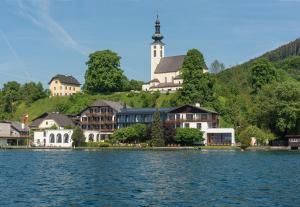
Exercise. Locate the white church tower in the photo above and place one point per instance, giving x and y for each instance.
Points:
(157, 48)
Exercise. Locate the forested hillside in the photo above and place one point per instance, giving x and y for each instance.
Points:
(239, 104)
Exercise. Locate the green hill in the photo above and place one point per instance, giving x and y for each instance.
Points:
(74, 104)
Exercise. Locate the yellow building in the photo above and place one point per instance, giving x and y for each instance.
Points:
(63, 85)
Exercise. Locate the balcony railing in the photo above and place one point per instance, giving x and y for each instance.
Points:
(191, 120)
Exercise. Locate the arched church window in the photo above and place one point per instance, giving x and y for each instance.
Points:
(161, 53)
(52, 139)
(66, 138)
(154, 53)
(58, 138)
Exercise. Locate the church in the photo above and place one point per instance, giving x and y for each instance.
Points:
(165, 71)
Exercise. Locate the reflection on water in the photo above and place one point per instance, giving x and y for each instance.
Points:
(149, 178)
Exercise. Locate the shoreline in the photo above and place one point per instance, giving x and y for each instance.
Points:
(204, 148)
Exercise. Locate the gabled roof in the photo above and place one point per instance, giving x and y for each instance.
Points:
(67, 79)
(199, 109)
(61, 119)
(170, 64)
(114, 105)
(17, 126)
(143, 110)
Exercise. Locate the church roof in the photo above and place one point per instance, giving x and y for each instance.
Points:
(170, 64)
(67, 79)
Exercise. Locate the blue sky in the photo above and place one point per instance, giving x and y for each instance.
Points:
(40, 38)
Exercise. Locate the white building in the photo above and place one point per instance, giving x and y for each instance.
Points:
(165, 71)
(186, 116)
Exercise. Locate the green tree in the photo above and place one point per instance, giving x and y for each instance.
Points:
(157, 133)
(216, 67)
(31, 92)
(197, 86)
(277, 107)
(78, 137)
(188, 136)
(134, 133)
(261, 136)
(10, 95)
(262, 73)
(104, 73)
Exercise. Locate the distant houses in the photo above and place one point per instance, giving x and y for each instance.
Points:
(13, 133)
(99, 121)
(186, 116)
(63, 85)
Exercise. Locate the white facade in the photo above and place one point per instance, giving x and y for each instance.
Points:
(95, 136)
(157, 52)
(47, 123)
(219, 131)
(53, 138)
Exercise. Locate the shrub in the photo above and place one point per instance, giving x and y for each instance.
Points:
(104, 144)
(188, 136)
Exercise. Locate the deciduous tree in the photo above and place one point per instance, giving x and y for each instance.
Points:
(104, 73)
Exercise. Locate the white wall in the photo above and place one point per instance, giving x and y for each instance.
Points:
(42, 138)
(220, 131)
(155, 60)
(47, 123)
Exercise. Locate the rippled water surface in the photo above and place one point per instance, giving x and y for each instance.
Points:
(149, 178)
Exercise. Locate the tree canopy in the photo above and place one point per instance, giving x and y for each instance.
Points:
(157, 133)
(78, 137)
(104, 73)
(216, 66)
(262, 73)
(188, 136)
(197, 86)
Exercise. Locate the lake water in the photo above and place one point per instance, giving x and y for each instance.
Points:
(149, 178)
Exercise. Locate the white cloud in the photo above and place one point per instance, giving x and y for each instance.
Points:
(37, 11)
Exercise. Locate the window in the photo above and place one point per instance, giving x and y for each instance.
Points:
(56, 82)
(198, 125)
(154, 55)
(204, 116)
(161, 54)
(154, 46)
(38, 141)
(58, 138)
(91, 137)
(66, 138)
(73, 88)
(187, 125)
(52, 139)
(46, 123)
(189, 117)
(166, 79)
(70, 87)
(98, 137)
(44, 133)
(66, 88)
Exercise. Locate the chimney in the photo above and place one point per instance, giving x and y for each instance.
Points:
(197, 104)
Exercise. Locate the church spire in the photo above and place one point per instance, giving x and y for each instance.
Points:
(157, 36)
